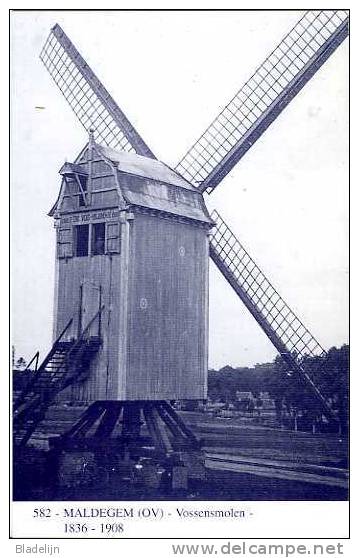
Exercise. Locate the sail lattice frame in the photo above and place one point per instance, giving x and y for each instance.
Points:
(279, 318)
(283, 73)
(90, 101)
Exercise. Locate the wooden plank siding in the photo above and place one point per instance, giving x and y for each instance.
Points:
(102, 271)
(153, 278)
(87, 272)
(167, 339)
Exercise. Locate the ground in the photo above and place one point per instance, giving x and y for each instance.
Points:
(244, 461)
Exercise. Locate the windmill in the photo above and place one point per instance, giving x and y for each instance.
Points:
(115, 142)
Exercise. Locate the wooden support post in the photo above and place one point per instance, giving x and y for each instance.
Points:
(189, 434)
(131, 419)
(86, 421)
(171, 423)
(161, 431)
(176, 448)
(100, 311)
(79, 324)
(153, 428)
(108, 421)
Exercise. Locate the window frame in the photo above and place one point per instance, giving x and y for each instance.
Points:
(67, 239)
(92, 239)
(76, 236)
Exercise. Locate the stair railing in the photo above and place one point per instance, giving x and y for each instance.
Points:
(47, 395)
(82, 337)
(42, 366)
(34, 358)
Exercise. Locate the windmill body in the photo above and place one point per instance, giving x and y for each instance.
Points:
(132, 239)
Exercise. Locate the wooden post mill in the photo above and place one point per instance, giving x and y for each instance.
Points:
(132, 252)
(134, 239)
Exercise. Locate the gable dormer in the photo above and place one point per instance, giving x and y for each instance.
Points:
(76, 180)
(89, 183)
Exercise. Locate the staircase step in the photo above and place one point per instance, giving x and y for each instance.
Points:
(53, 376)
(56, 361)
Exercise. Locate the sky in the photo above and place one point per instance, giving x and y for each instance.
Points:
(171, 73)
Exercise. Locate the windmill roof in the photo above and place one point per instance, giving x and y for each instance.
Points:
(158, 187)
(143, 166)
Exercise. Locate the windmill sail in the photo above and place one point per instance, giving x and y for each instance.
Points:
(87, 97)
(263, 97)
(287, 333)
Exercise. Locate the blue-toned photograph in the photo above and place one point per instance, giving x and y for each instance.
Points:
(180, 255)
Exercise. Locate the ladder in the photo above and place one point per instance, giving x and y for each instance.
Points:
(66, 363)
(284, 329)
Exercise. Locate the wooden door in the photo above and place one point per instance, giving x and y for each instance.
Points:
(90, 302)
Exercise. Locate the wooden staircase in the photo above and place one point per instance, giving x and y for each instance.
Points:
(66, 363)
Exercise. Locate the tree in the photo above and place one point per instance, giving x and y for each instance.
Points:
(329, 373)
(290, 393)
(20, 364)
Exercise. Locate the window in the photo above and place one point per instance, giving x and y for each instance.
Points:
(83, 181)
(90, 239)
(98, 239)
(82, 240)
